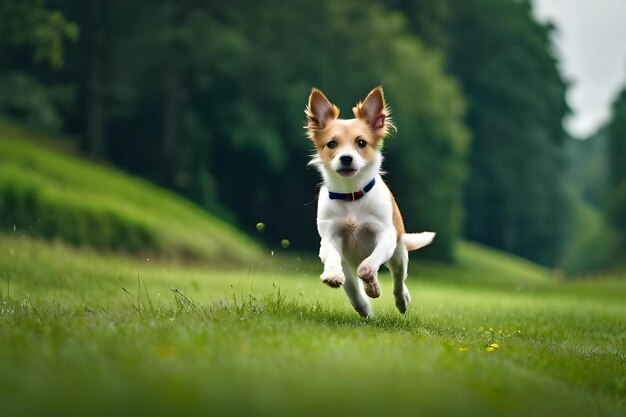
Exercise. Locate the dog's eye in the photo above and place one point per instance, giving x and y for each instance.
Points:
(361, 143)
(332, 144)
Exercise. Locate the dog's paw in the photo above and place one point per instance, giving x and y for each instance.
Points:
(372, 289)
(369, 276)
(403, 299)
(333, 279)
(367, 272)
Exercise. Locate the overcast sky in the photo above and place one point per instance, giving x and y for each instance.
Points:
(591, 41)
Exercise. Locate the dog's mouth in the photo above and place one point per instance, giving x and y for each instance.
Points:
(346, 172)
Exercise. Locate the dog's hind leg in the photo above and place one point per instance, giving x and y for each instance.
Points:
(398, 265)
(354, 290)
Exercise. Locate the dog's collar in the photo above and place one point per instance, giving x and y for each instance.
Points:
(352, 196)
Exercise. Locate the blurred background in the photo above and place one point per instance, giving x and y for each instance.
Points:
(495, 142)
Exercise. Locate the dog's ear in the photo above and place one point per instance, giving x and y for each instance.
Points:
(375, 112)
(319, 110)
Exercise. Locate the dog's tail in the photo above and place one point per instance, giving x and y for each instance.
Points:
(414, 241)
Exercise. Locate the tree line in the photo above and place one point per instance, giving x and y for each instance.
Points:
(207, 98)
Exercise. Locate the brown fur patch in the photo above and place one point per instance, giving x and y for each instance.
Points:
(398, 223)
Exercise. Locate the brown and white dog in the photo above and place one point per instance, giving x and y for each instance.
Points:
(357, 217)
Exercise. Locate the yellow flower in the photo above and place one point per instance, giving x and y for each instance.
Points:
(492, 347)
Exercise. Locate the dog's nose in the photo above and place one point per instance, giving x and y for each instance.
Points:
(345, 160)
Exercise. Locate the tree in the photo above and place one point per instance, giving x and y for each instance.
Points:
(504, 60)
(207, 98)
(31, 23)
(514, 194)
(32, 40)
(616, 133)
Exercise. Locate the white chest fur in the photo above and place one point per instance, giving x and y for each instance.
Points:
(355, 224)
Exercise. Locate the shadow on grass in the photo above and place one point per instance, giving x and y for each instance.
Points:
(274, 305)
(277, 306)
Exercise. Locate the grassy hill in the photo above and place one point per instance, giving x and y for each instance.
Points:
(54, 195)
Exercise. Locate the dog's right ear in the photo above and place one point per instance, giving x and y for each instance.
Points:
(319, 110)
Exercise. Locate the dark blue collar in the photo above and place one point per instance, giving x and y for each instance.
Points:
(352, 196)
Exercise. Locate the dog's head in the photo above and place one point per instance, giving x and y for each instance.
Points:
(347, 147)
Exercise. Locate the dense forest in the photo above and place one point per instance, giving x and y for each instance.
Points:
(207, 98)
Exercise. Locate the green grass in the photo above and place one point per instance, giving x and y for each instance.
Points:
(88, 334)
(51, 194)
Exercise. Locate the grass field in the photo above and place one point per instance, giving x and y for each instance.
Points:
(88, 334)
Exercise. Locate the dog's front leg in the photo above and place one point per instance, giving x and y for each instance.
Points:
(368, 269)
(329, 254)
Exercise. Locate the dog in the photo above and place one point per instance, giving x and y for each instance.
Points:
(358, 220)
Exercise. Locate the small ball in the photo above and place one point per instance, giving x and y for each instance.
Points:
(284, 243)
(260, 227)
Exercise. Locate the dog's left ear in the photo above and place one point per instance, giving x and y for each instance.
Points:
(375, 112)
